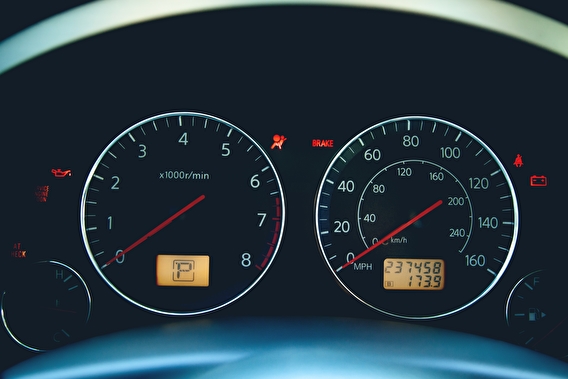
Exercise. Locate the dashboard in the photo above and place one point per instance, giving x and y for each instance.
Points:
(352, 161)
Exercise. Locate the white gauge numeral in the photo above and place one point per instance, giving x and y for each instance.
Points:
(246, 260)
(410, 141)
(372, 155)
(120, 258)
(437, 176)
(457, 233)
(379, 188)
(450, 152)
(370, 217)
(404, 171)
(184, 139)
(254, 182)
(115, 184)
(262, 217)
(475, 260)
(346, 186)
(488, 222)
(456, 201)
(142, 151)
(479, 183)
(342, 227)
(225, 151)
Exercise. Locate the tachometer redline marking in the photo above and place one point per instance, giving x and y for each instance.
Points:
(393, 233)
(156, 229)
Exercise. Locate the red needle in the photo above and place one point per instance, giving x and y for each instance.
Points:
(393, 233)
(156, 229)
(550, 332)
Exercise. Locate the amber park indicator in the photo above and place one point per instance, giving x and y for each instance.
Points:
(182, 270)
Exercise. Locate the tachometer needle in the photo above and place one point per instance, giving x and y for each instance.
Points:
(156, 229)
(393, 233)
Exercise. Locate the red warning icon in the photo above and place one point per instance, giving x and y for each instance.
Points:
(278, 141)
(539, 181)
(518, 161)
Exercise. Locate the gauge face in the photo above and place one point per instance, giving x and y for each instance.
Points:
(416, 217)
(48, 306)
(182, 213)
(535, 317)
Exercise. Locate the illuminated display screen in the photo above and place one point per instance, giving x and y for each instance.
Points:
(413, 274)
(182, 270)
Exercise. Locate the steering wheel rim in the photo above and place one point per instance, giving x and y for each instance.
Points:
(286, 348)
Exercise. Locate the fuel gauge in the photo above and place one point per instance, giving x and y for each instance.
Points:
(537, 315)
(48, 306)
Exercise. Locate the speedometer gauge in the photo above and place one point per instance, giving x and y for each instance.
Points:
(182, 213)
(416, 217)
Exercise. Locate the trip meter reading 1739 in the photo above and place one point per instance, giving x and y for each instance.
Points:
(416, 217)
(182, 213)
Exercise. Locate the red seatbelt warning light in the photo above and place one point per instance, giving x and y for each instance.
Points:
(278, 141)
(518, 161)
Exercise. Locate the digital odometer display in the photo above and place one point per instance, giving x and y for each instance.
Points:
(405, 191)
(413, 274)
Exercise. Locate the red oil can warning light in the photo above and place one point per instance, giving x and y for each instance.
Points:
(59, 173)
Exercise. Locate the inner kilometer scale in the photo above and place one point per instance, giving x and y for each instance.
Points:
(416, 217)
(182, 213)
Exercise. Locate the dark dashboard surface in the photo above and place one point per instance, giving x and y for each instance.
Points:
(308, 73)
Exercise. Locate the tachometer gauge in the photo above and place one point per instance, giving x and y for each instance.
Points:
(182, 213)
(416, 217)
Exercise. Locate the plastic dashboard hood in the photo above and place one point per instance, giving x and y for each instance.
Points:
(290, 348)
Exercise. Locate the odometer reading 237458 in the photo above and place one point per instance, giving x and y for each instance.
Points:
(416, 217)
(182, 213)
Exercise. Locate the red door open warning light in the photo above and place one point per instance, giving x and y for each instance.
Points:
(539, 181)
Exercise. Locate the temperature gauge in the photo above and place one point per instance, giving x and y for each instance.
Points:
(46, 307)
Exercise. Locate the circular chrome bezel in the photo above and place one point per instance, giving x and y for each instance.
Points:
(82, 214)
(511, 249)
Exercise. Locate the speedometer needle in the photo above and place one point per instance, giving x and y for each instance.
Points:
(393, 233)
(156, 229)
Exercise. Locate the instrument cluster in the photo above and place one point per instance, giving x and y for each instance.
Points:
(284, 161)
